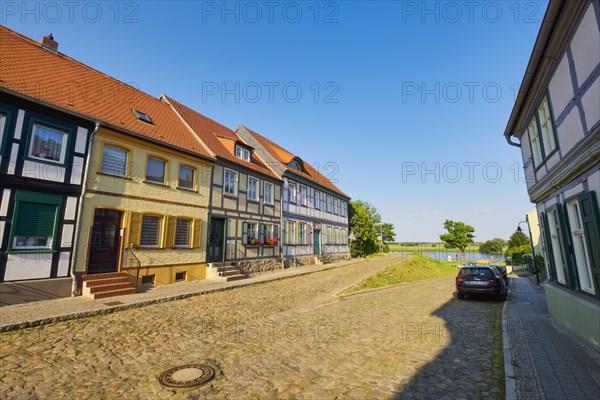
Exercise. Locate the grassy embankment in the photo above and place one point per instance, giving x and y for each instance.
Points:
(437, 248)
(416, 268)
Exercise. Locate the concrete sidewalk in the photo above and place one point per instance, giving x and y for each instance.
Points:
(548, 362)
(45, 312)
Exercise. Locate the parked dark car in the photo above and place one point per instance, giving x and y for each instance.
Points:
(503, 272)
(480, 280)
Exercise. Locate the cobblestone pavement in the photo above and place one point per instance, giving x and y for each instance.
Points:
(287, 339)
(548, 362)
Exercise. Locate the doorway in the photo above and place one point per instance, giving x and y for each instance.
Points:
(216, 239)
(317, 242)
(105, 242)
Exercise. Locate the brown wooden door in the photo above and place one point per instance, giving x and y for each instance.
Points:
(104, 244)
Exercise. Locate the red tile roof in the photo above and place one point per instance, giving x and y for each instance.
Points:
(284, 157)
(218, 138)
(58, 80)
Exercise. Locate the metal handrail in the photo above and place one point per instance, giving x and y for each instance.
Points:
(132, 260)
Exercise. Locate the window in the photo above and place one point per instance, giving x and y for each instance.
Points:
(580, 249)
(230, 182)
(317, 200)
(155, 170)
(48, 144)
(180, 276)
(336, 206)
(292, 192)
(302, 195)
(329, 204)
(183, 228)
(296, 164)
(148, 280)
(302, 233)
(268, 193)
(3, 127)
(541, 133)
(142, 116)
(291, 235)
(336, 234)
(252, 188)
(35, 221)
(114, 161)
(151, 231)
(557, 245)
(323, 201)
(329, 235)
(249, 234)
(269, 234)
(344, 236)
(242, 153)
(186, 177)
(344, 208)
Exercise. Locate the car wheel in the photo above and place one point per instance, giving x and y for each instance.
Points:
(460, 296)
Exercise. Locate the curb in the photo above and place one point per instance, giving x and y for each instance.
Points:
(144, 303)
(510, 383)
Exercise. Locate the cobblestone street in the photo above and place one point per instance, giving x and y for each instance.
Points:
(292, 338)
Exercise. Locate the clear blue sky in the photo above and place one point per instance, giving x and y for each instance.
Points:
(412, 98)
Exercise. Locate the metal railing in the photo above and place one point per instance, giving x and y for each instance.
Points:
(131, 260)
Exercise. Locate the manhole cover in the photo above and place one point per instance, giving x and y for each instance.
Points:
(186, 376)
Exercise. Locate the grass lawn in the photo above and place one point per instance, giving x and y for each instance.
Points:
(416, 268)
(438, 248)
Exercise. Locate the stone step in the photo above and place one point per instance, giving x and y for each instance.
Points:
(111, 293)
(229, 268)
(107, 275)
(110, 287)
(234, 277)
(107, 281)
(230, 272)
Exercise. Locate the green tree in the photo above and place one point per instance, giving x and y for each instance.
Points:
(388, 235)
(361, 216)
(492, 246)
(517, 239)
(459, 235)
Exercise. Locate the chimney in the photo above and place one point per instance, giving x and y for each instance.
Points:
(48, 43)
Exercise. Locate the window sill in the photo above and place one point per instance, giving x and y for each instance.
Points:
(230, 195)
(114, 176)
(44, 161)
(254, 201)
(187, 189)
(30, 251)
(156, 183)
(150, 248)
(252, 246)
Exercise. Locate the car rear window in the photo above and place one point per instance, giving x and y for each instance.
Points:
(481, 272)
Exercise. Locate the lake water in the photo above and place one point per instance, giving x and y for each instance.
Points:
(441, 255)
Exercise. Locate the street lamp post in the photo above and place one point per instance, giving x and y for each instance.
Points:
(537, 276)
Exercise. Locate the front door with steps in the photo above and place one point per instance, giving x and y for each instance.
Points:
(105, 242)
(317, 242)
(216, 239)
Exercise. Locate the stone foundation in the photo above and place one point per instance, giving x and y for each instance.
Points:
(299, 261)
(334, 257)
(250, 267)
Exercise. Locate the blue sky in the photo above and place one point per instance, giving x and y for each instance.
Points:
(403, 104)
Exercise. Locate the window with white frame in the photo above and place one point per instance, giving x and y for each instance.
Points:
(323, 201)
(329, 235)
(151, 231)
(557, 246)
(155, 170)
(268, 231)
(48, 144)
(252, 188)
(35, 221)
(114, 161)
(3, 119)
(302, 233)
(580, 249)
(344, 236)
(541, 133)
(242, 153)
(183, 229)
(336, 206)
(268, 193)
(336, 235)
(291, 233)
(230, 182)
(317, 200)
(329, 204)
(302, 195)
(292, 192)
(344, 208)
(186, 177)
(252, 232)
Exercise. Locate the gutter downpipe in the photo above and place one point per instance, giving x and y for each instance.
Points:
(79, 211)
(507, 137)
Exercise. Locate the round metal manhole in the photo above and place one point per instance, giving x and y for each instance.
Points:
(186, 376)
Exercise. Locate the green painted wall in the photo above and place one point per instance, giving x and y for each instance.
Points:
(577, 313)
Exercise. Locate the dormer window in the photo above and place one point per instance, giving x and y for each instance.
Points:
(242, 153)
(142, 116)
(296, 163)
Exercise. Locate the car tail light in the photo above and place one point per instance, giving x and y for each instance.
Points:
(460, 278)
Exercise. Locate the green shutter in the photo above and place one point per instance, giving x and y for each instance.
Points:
(245, 233)
(35, 219)
(549, 251)
(261, 232)
(565, 238)
(590, 217)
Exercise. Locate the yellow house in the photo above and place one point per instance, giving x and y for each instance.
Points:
(140, 209)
